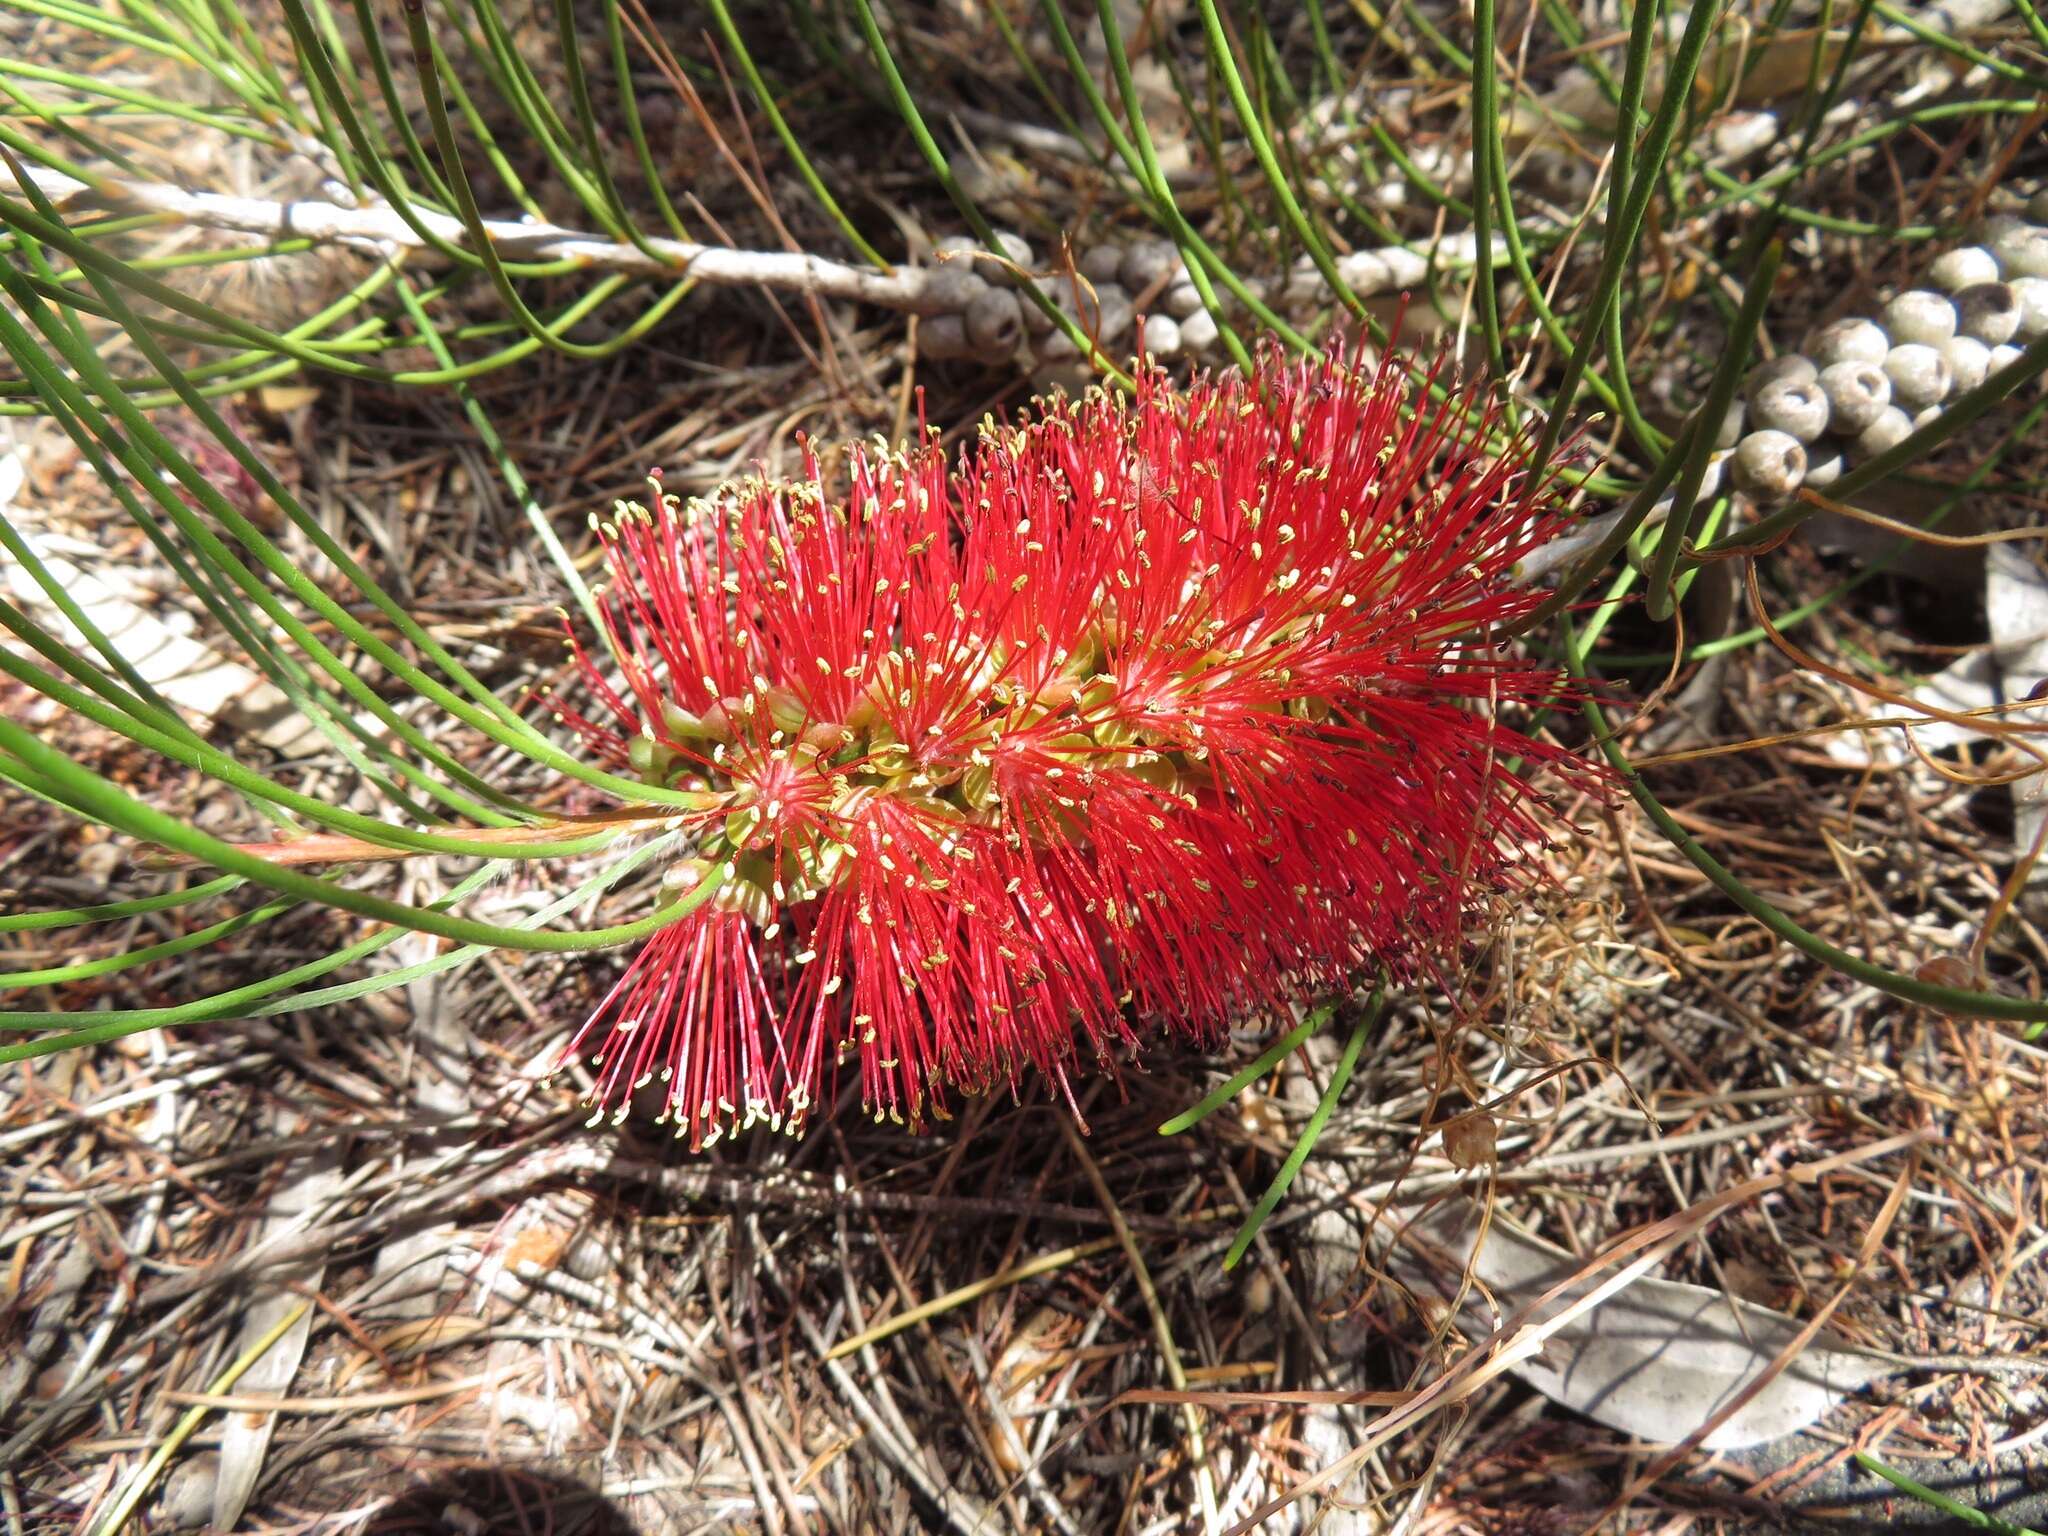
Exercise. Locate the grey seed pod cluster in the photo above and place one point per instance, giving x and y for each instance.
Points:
(1969, 362)
(952, 286)
(1149, 262)
(1198, 332)
(1964, 267)
(1160, 335)
(1018, 256)
(1857, 394)
(1823, 467)
(995, 322)
(1920, 375)
(1858, 384)
(2031, 294)
(1848, 341)
(1100, 264)
(1989, 311)
(1109, 316)
(1919, 315)
(1788, 369)
(1791, 404)
(943, 338)
(1770, 464)
(1892, 427)
(2021, 251)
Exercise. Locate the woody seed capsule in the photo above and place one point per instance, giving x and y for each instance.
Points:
(1988, 311)
(1964, 267)
(950, 287)
(995, 324)
(1968, 359)
(1100, 265)
(1857, 394)
(1198, 332)
(1848, 341)
(1110, 315)
(1892, 427)
(1161, 337)
(1794, 406)
(1769, 465)
(1919, 316)
(1147, 262)
(1919, 374)
(1017, 254)
(2022, 251)
(2032, 295)
(943, 338)
(1789, 368)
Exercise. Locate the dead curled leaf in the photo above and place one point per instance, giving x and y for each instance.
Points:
(1655, 1360)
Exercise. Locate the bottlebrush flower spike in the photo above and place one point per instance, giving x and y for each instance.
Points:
(1157, 712)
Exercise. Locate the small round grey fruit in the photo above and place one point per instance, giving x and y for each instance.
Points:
(1919, 374)
(1109, 316)
(1919, 315)
(951, 286)
(995, 324)
(1968, 359)
(1744, 133)
(1036, 320)
(1892, 427)
(1964, 267)
(1017, 250)
(1368, 272)
(1101, 263)
(1791, 367)
(2022, 251)
(1794, 406)
(2032, 294)
(1146, 262)
(1769, 465)
(1848, 341)
(1857, 394)
(1988, 311)
(943, 338)
(1056, 347)
(1823, 468)
(1160, 336)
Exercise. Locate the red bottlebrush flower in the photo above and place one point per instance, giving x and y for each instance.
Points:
(1158, 710)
